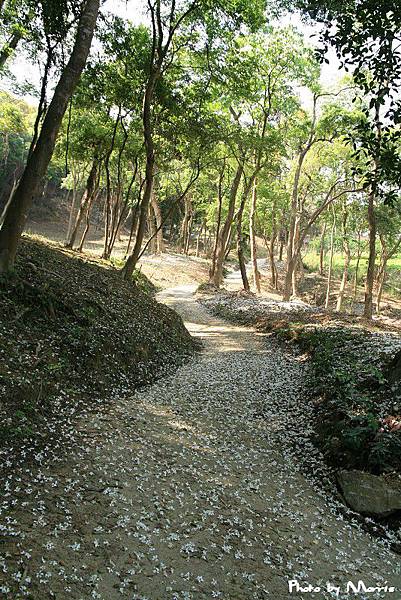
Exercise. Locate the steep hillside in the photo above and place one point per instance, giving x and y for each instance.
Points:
(73, 336)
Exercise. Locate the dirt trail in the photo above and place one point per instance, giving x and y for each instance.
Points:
(187, 490)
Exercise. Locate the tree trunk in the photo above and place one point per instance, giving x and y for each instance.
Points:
(298, 266)
(227, 249)
(86, 200)
(71, 211)
(273, 268)
(220, 202)
(4, 212)
(321, 255)
(241, 243)
(87, 222)
(205, 238)
(347, 260)
(38, 162)
(217, 276)
(149, 170)
(252, 236)
(185, 227)
(381, 286)
(152, 231)
(380, 289)
(189, 233)
(370, 275)
(133, 228)
(358, 260)
(290, 284)
(300, 269)
(198, 238)
(158, 217)
(386, 254)
(344, 278)
(281, 250)
(270, 248)
(329, 274)
(290, 276)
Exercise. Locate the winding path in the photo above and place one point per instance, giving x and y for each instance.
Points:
(188, 490)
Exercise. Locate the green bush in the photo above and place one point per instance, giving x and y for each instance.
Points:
(351, 389)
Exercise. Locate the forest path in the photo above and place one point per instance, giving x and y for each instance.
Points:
(186, 490)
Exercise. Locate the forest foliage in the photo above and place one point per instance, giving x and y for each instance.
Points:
(207, 125)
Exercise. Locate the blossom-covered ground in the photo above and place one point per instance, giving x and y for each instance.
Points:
(357, 414)
(194, 487)
(73, 336)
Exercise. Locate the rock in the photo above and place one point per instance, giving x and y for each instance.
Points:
(370, 494)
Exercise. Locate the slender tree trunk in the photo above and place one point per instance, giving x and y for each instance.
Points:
(224, 233)
(321, 255)
(281, 250)
(10, 197)
(380, 288)
(132, 232)
(198, 238)
(87, 222)
(291, 263)
(86, 200)
(205, 237)
(297, 261)
(149, 171)
(184, 238)
(240, 234)
(370, 275)
(241, 243)
(228, 247)
(358, 260)
(220, 202)
(273, 268)
(189, 233)
(152, 231)
(117, 220)
(300, 269)
(386, 254)
(158, 217)
(290, 276)
(252, 235)
(270, 247)
(347, 260)
(290, 281)
(38, 162)
(344, 278)
(71, 211)
(329, 274)
(292, 256)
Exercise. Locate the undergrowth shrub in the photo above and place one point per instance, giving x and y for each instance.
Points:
(353, 401)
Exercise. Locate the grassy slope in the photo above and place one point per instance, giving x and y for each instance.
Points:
(74, 335)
